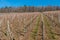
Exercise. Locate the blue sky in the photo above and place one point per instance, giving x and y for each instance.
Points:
(17, 3)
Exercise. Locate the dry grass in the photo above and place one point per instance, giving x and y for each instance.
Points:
(22, 25)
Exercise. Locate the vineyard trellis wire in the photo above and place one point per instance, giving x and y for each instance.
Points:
(29, 23)
(54, 24)
(10, 33)
(43, 27)
(0, 27)
(51, 20)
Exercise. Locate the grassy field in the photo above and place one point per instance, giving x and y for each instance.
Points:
(30, 26)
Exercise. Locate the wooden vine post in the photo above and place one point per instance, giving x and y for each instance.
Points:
(43, 27)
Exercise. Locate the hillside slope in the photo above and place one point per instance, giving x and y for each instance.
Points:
(30, 26)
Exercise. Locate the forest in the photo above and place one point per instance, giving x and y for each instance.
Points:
(29, 9)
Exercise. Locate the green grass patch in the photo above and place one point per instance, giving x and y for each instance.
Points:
(34, 32)
(50, 33)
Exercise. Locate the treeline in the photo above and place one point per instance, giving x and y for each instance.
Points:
(29, 9)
